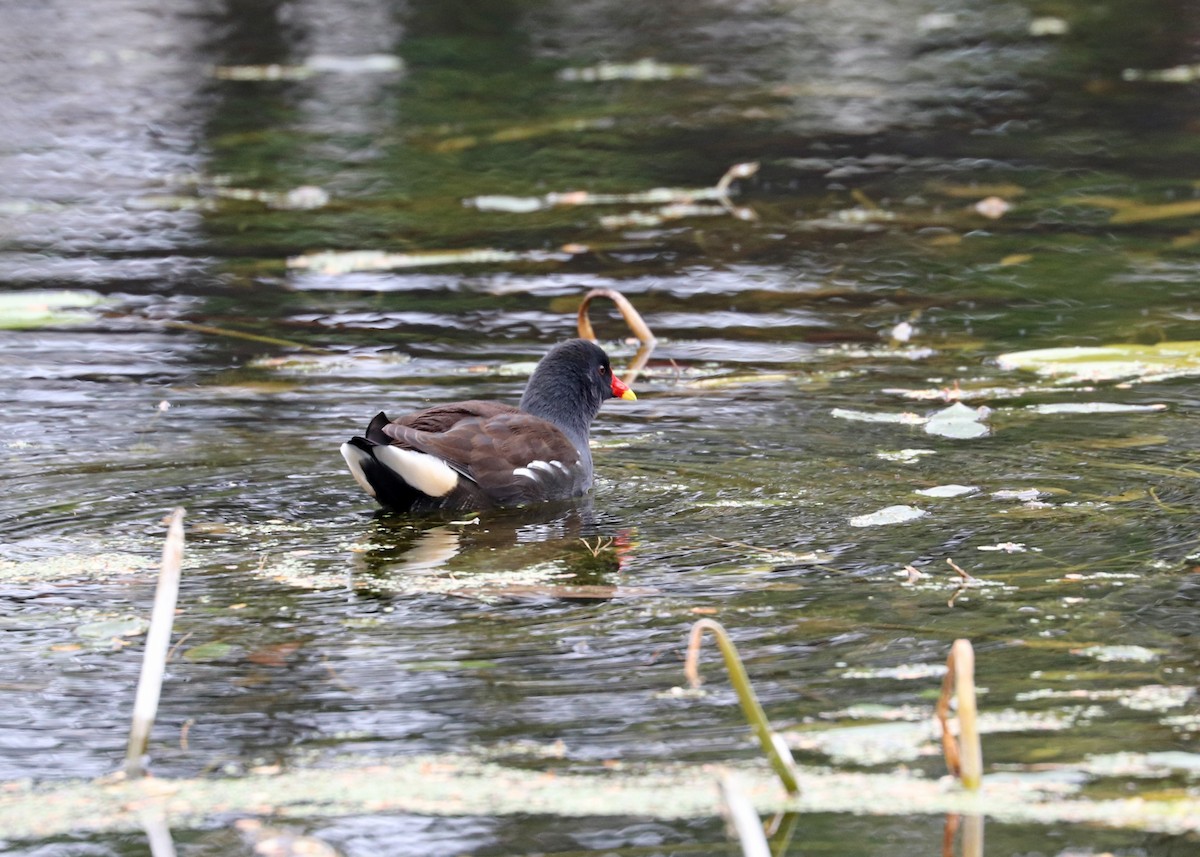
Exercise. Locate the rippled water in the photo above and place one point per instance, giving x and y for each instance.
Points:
(312, 627)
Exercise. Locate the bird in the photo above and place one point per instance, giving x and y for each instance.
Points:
(477, 455)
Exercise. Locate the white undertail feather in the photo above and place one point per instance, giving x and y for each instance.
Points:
(427, 473)
(526, 473)
(354, 459)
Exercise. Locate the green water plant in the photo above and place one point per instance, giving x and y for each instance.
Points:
(772, 743)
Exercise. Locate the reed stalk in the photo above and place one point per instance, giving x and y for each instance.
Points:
(964, 755)
(632, 318)
(772, 743)
(154, 658)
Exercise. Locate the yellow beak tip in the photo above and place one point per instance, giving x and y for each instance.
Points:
(629, 395)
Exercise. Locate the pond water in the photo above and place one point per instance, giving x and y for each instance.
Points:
(939, 184)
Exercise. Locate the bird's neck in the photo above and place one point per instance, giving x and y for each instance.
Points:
(573, 418)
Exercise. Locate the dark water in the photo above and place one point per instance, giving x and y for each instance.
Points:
(314, 628)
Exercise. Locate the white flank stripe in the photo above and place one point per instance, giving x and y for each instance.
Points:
(526, 472)
(427, 473)
(559, 465)
(354, 459)
(541, 465)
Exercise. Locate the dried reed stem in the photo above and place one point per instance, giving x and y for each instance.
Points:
(154, 659)
(632, 318)
(964, 756)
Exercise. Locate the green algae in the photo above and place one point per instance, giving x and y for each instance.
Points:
(460, 786)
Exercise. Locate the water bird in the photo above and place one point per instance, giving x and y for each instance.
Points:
(479, 455)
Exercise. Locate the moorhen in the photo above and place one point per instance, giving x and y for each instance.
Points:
(478, 455)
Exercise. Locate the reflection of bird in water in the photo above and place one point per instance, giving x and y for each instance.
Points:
(552, 550)
(481, 455)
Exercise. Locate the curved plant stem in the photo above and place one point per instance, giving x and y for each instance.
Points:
(737, 171)
(154, 659)
(777, 752)
(964, 756)
(632, 317)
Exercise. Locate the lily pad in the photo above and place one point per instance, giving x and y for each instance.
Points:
(1108, 654)
(946, 490)
(126, 626)
(1078, 364)
(877, 417)
(959, 421)
(904, 456)
(206, 652)
(44, 308)
(1094, 408)
(888, 515)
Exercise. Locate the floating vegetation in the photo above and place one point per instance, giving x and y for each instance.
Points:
(955, 421)
(1151, 697)
(106, 629)
(643, 69)
(1048, 25)
(906, 419)
(317, 64)
(303, 198)
(947, 490)
(905, 456)
(1109, 654)
(462, 786)
(1094, 408)
(904, 672)
(887, 516)
(673, 203)
(1174, 74)
(1161, 764)
(42, 308)
(98, 566)
(959, 422)
(1075, 364)
(333, 263)
(1008, 547)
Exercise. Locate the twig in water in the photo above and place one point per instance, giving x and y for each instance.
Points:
(777, 751)
(240, 334)
(737, 171)
(964, 581)
(154, 659)
(175, 648)
(183, 733)
(600, 545)
(964, 756)
(964, 575)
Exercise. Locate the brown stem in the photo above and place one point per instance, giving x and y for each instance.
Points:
(632, 317)
(964, 756)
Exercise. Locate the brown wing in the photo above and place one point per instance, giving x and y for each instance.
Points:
(439, 418)
(512, 457)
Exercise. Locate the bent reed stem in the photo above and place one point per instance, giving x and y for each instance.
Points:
(777, 751)
(964, 755)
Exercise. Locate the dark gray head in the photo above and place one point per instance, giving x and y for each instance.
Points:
(569, 385)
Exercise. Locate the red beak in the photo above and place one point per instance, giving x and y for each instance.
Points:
(621, 390)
